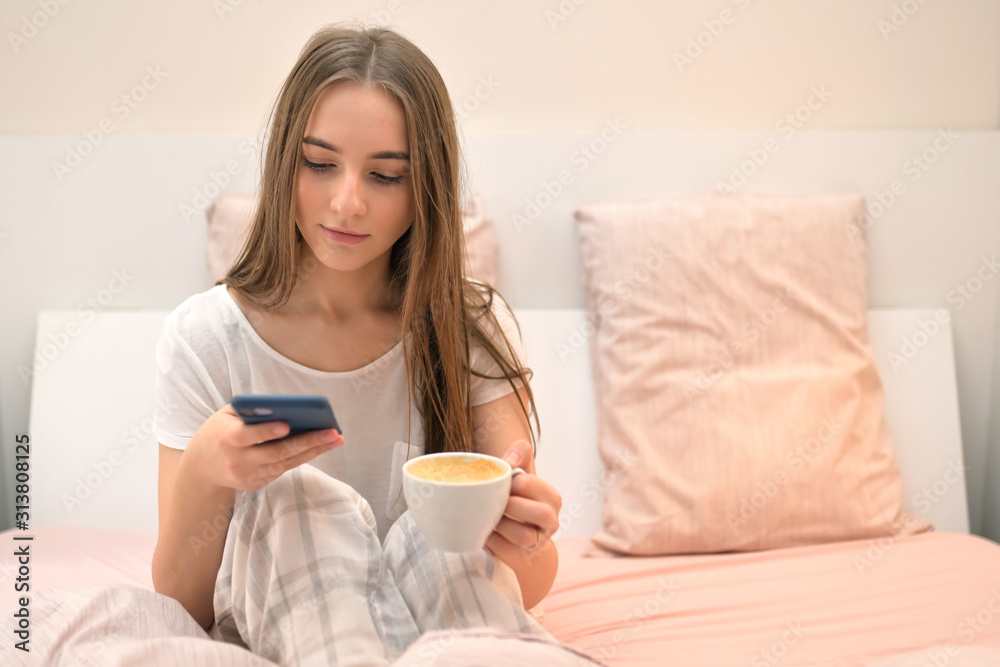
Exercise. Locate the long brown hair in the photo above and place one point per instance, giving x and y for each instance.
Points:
(443, 312)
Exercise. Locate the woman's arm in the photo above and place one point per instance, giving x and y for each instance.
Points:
(521, 539)
(196, 496)
(194, 521)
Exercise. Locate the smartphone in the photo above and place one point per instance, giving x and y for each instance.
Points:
(300, 411)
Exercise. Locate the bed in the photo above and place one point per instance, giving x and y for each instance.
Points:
(902, 596)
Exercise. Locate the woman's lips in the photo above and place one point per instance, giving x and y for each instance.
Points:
(341, 236)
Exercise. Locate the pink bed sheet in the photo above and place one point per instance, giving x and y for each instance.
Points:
(64, 557)
(935, 595)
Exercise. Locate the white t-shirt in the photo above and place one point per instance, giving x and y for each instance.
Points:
(209, 352)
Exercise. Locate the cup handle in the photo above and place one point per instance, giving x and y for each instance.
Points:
(516, 471)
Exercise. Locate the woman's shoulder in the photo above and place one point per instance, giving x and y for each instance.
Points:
(491, 310)
(207, 315)
(494, 324)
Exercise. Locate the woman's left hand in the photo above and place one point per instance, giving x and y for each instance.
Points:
(532, 514)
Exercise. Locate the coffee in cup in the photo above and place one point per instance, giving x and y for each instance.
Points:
(455, 469)
(457, 498)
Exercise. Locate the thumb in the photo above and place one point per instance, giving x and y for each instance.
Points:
(519, 455)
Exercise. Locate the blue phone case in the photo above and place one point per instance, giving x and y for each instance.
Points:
(301, 412)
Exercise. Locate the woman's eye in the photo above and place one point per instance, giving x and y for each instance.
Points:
(388, 180)
(316, 166)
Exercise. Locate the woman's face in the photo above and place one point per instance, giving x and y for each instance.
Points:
(353, 195)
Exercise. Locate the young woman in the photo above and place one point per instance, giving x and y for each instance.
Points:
(351, 286)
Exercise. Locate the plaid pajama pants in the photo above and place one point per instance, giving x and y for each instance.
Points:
(304, 580)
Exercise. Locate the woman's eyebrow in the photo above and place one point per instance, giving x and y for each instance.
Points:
(381, 155)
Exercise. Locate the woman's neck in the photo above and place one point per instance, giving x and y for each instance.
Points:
(340, 295)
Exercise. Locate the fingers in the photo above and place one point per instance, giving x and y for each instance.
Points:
(244, 435)
(272, 459)
(524, 535)
(521, 519)
(269, 451)
(535, 488)
(253, 435)
(520, 455)
(301, 447)
(532, 513)
(230, 454)
(259, 433)
(511, 540)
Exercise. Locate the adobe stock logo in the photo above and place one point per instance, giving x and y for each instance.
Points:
(712, 30)
(786, 127)
(899, 17)
(958, 297)
(86, 312)
(485, 87)
(562, 12)
(122, 107)
(551, 189)
(31, 26)
(886, 197)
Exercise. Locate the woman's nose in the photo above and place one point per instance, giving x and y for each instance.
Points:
(348, 198)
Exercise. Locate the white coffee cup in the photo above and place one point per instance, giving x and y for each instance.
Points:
(457, 515)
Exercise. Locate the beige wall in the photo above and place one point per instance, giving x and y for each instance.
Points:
(522, 64)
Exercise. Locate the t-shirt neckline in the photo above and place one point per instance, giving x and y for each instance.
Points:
(244, 323)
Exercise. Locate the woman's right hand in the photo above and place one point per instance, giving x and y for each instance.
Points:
(227, 453)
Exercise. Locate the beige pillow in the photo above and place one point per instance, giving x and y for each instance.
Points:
(739, 403)
(230, 215)
(229, 219)
(482, 252)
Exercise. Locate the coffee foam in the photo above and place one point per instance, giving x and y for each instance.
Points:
(455, 469)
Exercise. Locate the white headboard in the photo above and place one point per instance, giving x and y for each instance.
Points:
(94, 457)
